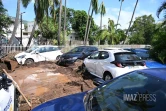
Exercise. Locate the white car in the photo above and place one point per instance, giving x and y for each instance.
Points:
(39, 53)
(108, 64)
(8, 94)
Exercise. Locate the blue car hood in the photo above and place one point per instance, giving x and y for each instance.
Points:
(68, 103)
(154, 64)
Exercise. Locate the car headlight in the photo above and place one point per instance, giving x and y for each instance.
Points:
(73, 58)
(22, 56)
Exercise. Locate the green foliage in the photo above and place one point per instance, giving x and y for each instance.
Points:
(162, 8)
(111, 35)
(142, 30)
(5, 20)
(78, 23)
(48, 29)
(158, 51)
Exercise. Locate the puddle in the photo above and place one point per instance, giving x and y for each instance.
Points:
(36, 91)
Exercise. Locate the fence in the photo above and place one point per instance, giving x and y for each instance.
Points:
(5, 49)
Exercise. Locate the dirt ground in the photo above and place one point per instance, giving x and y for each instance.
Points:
(44, 81)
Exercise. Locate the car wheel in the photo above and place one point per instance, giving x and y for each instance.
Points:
(29, 61)
(107, 76)
(58, 57)
(84, 69)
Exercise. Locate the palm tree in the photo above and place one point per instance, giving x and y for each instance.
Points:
(102, 11)
(119, 12)
(16, 22)
(40, 9)
(108, 34)
(94, 9)
(130, 22)
(160, 9)
(64, 25)
(87, 22)
(59, 23)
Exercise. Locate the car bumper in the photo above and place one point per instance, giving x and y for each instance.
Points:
(120, 71)
(20, 60)
(66, 61)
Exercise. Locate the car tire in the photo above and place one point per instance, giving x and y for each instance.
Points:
(58, 57)
(107, 76)
(29, 61)
(84, 69)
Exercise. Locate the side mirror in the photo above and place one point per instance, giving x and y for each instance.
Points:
(98, 81)
(36, 52)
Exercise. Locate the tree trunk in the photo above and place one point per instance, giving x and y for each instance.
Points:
(16, 22)
(64, 36)
(130, 22)
(32, 33)
(90, 20)
(100, 27)
(59, 24)
(87, 23)
(119, 13)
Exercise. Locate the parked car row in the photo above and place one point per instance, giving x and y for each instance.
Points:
(125, 82)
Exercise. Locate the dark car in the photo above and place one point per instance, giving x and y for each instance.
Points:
(76, 53)
(141, 52)
(135, 91)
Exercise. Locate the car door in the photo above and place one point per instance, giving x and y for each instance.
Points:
(41, 54)
(52, 53)
(102, 61)
(91, 62)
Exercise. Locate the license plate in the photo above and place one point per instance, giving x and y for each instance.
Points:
(133, 67)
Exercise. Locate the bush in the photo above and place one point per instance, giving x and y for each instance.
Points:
(158, 51)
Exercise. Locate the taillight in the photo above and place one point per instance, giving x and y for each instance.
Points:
(144, 64)
(118, 64)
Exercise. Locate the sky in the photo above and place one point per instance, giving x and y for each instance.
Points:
(112, 10)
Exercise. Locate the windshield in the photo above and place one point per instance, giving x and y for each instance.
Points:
(126, 57)
(133, 92)
(78, 49)
(31, 49)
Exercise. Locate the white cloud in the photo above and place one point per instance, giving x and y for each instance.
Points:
(125, 16)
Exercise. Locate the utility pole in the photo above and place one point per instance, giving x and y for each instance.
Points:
(21, 28)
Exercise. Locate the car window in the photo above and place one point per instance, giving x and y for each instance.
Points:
(52, 49)
(77, 49)
(92, 49)
(135, 91)
(95, 55)
(42, 50)
(126, 57)
(31, 49)
(103, 55)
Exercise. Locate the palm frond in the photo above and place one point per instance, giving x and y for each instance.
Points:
(95, 6)
(25, 3)
(161, 8)
(102, 9)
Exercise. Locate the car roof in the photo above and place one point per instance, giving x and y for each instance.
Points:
(157, 72)
(47, 46)
(112, 48)
(86, 46)
(115, 51)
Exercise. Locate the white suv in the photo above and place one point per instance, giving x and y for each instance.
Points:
(111, 63)
(39, 53)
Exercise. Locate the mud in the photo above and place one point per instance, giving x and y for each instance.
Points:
(45, 81)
